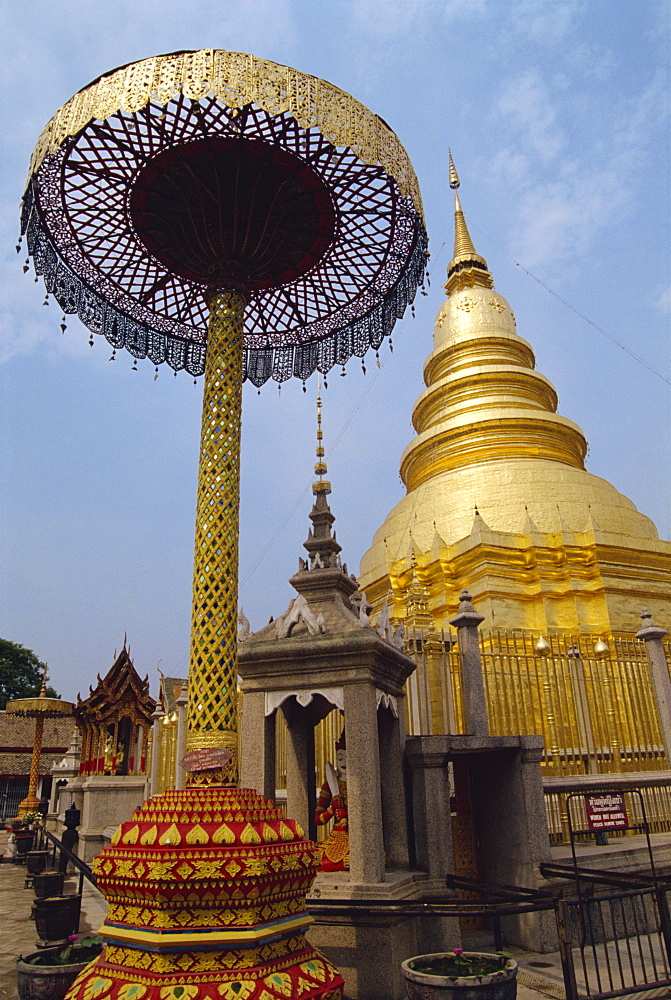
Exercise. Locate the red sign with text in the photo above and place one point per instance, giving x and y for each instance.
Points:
(606, 812)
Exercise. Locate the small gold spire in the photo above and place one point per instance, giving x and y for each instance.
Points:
(467, 267)
(463, 244)
(454, 176)
(321, 485)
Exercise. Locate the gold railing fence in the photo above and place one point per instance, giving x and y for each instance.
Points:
(597, 713)
(596, 709)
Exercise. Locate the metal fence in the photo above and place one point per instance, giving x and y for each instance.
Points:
(615, 944)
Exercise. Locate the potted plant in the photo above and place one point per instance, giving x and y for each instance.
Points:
(24, 834)
(49, 974)
(461, 975)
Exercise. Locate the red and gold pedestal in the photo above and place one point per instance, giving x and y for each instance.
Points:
(206, 899)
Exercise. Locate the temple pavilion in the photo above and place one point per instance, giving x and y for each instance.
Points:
(115, 720)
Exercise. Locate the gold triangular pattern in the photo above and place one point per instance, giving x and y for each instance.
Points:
(197, 835)
(249, 835)
(223, 835)
(149, 836)
(286, 833)
(131, 836)
(171, 837)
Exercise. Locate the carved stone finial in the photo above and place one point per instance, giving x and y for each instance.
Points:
(466, 616)
(383, 626)
(244, 627)
(361, 607)
(398, 637)
(299, 610)
(650, 630)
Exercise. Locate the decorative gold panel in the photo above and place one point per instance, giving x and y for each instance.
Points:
(236, 79)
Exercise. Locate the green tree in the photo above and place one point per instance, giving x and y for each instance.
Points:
(21, 673)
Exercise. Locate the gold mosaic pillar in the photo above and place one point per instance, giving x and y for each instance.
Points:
(31, 803)
(212, 715)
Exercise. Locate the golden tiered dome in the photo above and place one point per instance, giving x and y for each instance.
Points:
(495, 471)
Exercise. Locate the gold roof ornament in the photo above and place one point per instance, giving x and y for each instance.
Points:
(542, 647)
(601, 649)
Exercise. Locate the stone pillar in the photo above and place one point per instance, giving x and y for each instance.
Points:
(156, 733)
(53, 798)
(301, 779)
(467, 621)
(180, 746)
(257, 746)
(364, 805)
(137, 751)
(431, 804)
(652, 635)
(391, 737)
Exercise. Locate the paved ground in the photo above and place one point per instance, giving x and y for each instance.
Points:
(540, 975)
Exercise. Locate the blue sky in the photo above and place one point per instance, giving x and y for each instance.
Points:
(557, 115)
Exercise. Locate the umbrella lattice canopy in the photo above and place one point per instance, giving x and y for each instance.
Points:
(39, 709)
(207, 169)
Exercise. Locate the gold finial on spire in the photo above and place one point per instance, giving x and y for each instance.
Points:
(454, 176)
(467, 267)
(321, 485)
(43, 689)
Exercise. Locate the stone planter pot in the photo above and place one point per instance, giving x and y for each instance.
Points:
(45, 982)
(25, 841)
(56, 917)
(36, 862)
(48, 884)
(500, 985)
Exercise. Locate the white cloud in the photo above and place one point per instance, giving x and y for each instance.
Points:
(663, 301)
(573, 164)
(527, 108)
(546, 23)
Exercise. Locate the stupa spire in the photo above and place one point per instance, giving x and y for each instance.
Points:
(321, 485)
(323, 549)
(467, 267)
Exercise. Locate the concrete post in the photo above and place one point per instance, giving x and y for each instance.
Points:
(301, 783)
(364, 805)
(180, 744)
(431, 805)
(155, 750)
(257, 745)
(652, 635)
(53, 798)
(391, 736)
(467, 621)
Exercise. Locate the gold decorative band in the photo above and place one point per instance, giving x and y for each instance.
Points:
(236, 79)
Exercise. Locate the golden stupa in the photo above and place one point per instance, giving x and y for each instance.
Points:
(498, 497)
